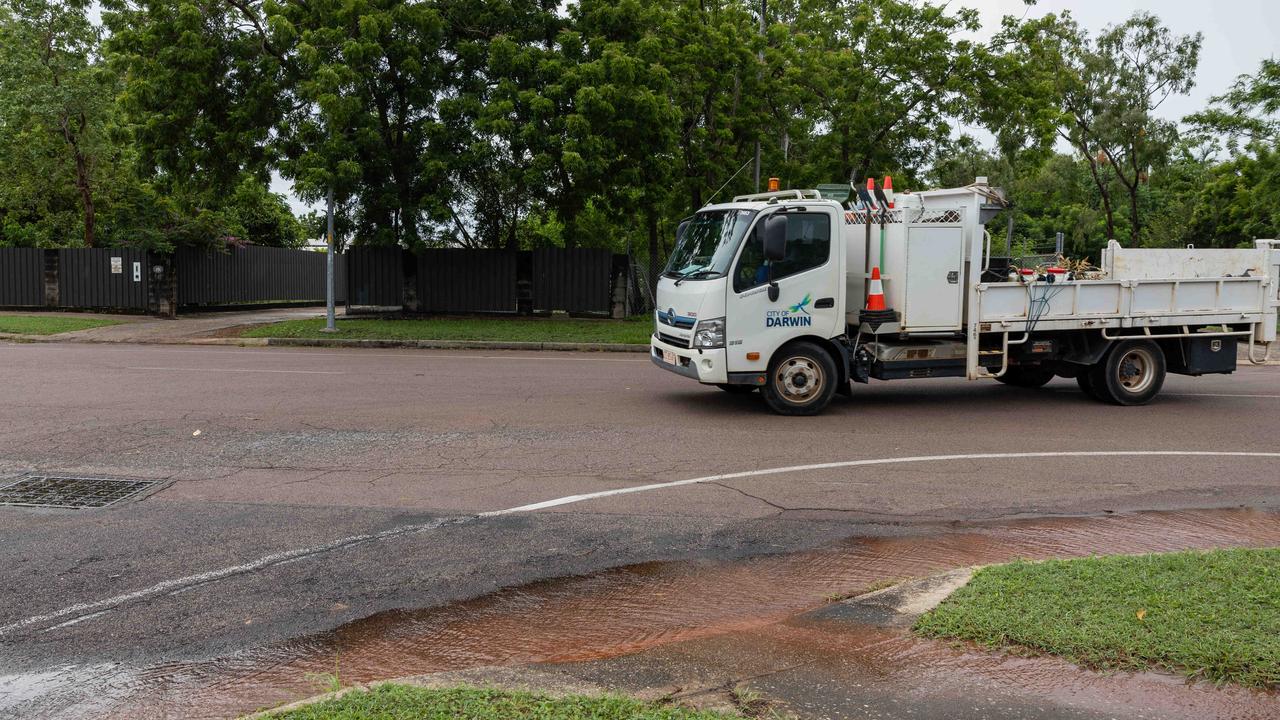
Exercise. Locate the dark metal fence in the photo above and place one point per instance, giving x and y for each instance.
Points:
(102, 278)
(458, 280)
(255, 275)
(375, 276)
(577, 280)
(436, 280)
(21, 277)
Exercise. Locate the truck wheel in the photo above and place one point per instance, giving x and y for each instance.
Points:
(1026, 377)
(1131, 374)
(802, 379)
(737, 389)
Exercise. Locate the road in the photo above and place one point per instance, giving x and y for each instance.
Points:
(308, 488)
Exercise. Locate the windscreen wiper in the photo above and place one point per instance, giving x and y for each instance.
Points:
(695, 273)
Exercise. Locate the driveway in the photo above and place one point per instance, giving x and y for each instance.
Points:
(184, 328)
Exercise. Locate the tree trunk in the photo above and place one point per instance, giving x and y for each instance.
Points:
(1135, 224)
(513, 244)
(571, 234)
(1135, 227)
(1102, 190)
(82, 178)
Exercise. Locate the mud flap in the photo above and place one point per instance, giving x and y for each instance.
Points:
(860, 366)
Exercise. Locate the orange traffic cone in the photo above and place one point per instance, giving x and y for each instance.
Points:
(875, 296)
(888, 190)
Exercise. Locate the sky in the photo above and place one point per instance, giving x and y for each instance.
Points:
(1237, 37)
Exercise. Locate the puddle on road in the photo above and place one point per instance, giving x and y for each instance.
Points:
(633, 608)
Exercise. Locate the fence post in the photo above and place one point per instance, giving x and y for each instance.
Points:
(409, 281)
(162, 289)
(51, 270)
(524, 282)
(619, 289)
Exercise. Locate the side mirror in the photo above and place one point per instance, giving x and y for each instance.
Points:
(775, 238)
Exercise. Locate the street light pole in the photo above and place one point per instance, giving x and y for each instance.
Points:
(329, 326)
(763, 9)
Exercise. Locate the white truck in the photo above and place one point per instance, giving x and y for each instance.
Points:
(768, 292)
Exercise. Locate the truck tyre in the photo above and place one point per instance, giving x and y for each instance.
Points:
(737, 389)
(1026, 377)
(1131, 373)
(802, 379)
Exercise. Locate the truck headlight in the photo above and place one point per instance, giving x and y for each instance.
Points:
(709, 334)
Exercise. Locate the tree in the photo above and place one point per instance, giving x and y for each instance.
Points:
(1248, 112)
(500, 101)
(882, 80)
(364, 82)
(202, 96)
(55, 106)
(625, 99)
(718, 90)
(1239, 202)
(1110, 92)
(202, 91)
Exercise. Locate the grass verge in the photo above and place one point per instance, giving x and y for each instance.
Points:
(524, 329)
(49, 324)
(402, 702)
(1213, 615)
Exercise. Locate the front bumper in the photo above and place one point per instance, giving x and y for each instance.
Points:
(705, 366)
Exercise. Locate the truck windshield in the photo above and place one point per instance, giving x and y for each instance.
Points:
(708, 244)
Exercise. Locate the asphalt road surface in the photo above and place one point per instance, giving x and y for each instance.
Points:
(304, 489)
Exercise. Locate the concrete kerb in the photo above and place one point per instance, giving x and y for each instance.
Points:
(18, 338)
(387, 343)
(455, 345)
(898, 605)
(348, 343)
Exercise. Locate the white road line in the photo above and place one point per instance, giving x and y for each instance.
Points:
(1243, 395)
(98, 606)
(862, 463)
(240, 370)
(171, 586)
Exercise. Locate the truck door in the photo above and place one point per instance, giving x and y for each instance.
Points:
(810, 283)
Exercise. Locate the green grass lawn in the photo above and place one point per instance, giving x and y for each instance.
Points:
(403, 702)
(1214, 615)
(49, 324)
(523, 329)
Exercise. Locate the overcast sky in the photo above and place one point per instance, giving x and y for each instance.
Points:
(1237, 36)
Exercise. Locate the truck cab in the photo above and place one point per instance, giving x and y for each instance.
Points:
(724, 308)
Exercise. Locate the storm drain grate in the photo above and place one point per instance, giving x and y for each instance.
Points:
(62, 491)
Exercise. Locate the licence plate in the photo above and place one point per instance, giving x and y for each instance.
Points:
(670, 358)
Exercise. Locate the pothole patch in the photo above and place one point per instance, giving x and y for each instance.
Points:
(72, 492)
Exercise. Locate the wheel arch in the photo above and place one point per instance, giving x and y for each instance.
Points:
(839, 353)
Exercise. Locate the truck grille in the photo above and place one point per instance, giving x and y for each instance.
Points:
(673, 340)
(676, 321)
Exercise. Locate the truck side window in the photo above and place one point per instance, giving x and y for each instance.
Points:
(808, 246)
